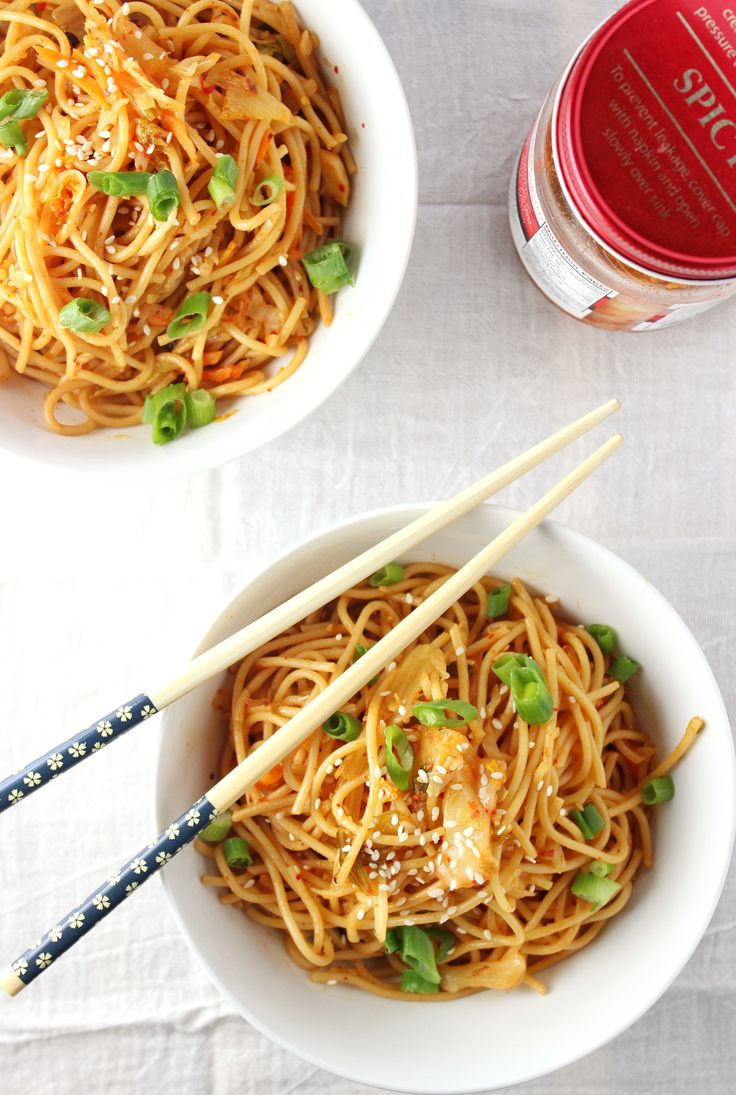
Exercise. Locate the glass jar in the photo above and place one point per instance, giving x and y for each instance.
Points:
(623, 204)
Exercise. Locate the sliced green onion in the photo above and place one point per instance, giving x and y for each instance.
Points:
(163, 195)
(268, 190)
(360, 650)
(120, 184)
(660, 789)
(190, 316)
(342, 726)
(222, 183)
(604, 635)
(21, 103)
(432, 713)
(623, 669)
(532, 699)
(387, 576)
(598, 891)
(154, 402)
(417, 952)
(327, 266)
(217, 829)
(12, 136)
(601, 869)
(237, 853)
(588, 821)
(446, 941)
(411, 981)
(502, 666)
(169, 423)
(201, 408)
(399, 757)
(498, 602)
(83, 316)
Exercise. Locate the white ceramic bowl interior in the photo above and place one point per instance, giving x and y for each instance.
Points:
(380, 225)
(490, 1040)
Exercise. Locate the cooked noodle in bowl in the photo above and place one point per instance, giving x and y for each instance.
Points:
(132, 94)
(275, 955)
(481, 842)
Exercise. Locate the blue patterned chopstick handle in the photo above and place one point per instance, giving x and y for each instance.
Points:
(114, 891)
(63, 757)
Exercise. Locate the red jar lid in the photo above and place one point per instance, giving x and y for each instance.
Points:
(645, 136)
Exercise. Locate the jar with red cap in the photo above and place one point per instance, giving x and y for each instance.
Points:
(623, 204)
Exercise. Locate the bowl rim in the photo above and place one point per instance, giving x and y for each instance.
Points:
(236, 445)
(410, 510)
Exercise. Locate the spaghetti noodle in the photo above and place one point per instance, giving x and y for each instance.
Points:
(487, 841)
(150, 89)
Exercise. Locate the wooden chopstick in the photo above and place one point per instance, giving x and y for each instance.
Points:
(233, 785)
(113, 725)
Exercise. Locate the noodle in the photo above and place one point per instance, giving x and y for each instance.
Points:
(482, 842)
(144, 87)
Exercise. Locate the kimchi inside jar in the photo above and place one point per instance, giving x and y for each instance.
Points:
(623, 204)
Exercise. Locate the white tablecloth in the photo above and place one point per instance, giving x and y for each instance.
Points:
(100, 590)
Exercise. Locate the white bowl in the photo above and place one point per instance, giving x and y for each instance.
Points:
(380, 224)
(489, 1040)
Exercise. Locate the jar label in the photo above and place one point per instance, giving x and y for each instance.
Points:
(647, 135)
(554, 270)
(563, 280)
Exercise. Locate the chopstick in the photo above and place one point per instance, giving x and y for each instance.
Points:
(232, 786)
(133, 712)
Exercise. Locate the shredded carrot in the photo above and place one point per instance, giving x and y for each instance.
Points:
(223, 374)
(272, 778)
(263, 146)
(160, 315)
(211, 357)
(174, 124)
(51, 57)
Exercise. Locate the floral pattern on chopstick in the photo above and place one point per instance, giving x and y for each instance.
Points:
(65, 756)
(114, 890)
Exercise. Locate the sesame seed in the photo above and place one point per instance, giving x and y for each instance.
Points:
(283, 260)
(503, 690)
(331, 982)
(563, 812)
(487, 934)
(435, 812)
(498, 724)
(540, 785)
(550, 789)
(460, 651)
(532, 744)
(551, 598)
(63, 63)
(571, 699)
(496, 775)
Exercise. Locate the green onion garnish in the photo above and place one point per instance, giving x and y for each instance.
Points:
(532, 698)
(16, 106)
(327, 266)
(237, 853)
(167, 410)
(604, 635)
(399, 757)
(415, 949)
(387, 576)
(432, 713)
(342, 726)
(600, 868)
(268, 190)
(222, 183)
(190, 316)
(588, 821)
(498, 602)
(21, 104)
(360, 650)
(163, 195)
(598, 891)
(502, 666)
(623, 669)
(120, 184)
(217, 829)
(12, 136)
(411, 981)
(83, 316)
(660, 789)
(200, 408)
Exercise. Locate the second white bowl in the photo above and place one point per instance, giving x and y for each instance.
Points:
(489, 1040)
